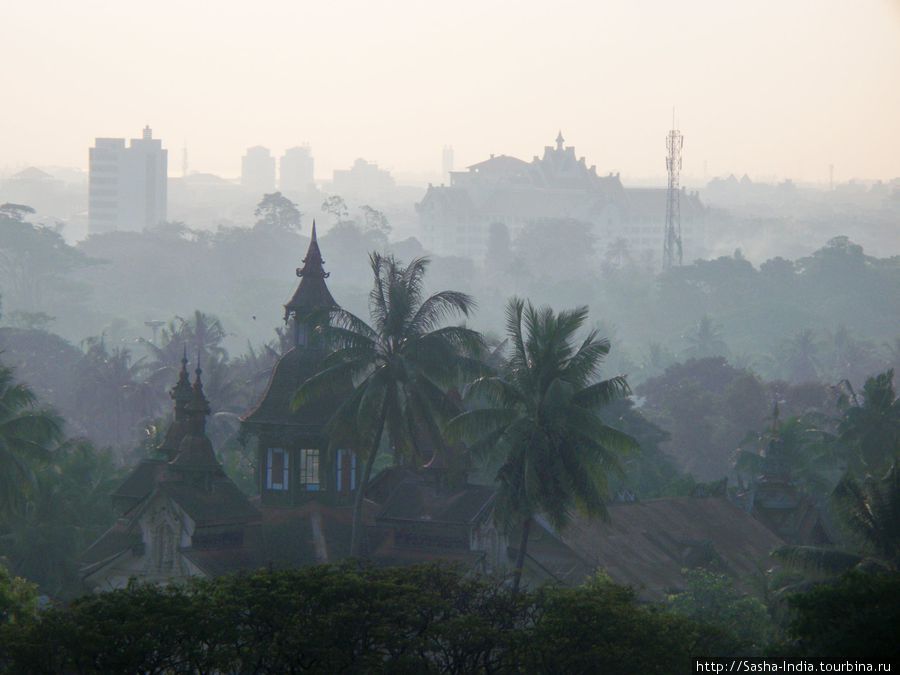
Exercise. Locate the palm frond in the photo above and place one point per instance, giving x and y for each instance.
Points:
(471, 426)
(603, 392)
(440, 307)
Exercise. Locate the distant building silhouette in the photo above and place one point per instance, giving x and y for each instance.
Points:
(446, 163)
(456, 219)
(127, 185)
(296, 170)
(258, 170)
(363, 181)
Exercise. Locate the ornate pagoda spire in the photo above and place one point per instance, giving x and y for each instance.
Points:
(560, 140)
(312, 301)
(181, 394)
(198, 409)
(312, 293)
(195, 453)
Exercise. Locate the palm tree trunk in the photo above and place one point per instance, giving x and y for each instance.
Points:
(356, 532)
(520, 557)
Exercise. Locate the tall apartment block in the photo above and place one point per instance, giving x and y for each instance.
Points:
(127, 187)
(258, 170)
(296, 170)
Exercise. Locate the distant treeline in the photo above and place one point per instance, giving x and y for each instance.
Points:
(825, 316)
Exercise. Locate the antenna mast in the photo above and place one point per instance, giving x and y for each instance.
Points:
(672, 253)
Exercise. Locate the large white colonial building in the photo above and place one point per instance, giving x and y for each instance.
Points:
(456, 219)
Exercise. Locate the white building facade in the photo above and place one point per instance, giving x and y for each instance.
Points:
(127, 185)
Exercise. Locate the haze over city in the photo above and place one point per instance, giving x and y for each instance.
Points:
(474, 337)
(772, 88)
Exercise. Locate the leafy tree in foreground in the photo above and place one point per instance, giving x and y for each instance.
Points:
(352, 618)
(401, 367)
(854, 617)
(18, 598)
(541, 417)
(712, 598)
(66, 509)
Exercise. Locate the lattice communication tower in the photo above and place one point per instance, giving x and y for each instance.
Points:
(672, 253)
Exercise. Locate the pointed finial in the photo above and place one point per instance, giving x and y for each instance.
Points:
(199, 406)
(314, 230)
(560, 140)
(181, 392)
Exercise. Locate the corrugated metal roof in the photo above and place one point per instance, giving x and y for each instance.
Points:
(647, 544)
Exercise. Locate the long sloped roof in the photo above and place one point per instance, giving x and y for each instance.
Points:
(647, 544)
(142, 479)
(118, 539)
(292, 370)
(419, 500)
(223, 504)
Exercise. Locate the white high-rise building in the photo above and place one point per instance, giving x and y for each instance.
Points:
(296, 170)
(127, 185)
(258, 170)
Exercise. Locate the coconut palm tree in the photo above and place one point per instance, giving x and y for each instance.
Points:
(112, 399)
(799, 357)
(201, 334)
(27, 433)
(870, 513)
(541, 419)
(400, 367)
(873, 426)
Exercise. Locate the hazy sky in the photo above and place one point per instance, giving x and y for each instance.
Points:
(770, 87)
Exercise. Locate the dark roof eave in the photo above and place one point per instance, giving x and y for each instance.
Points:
(314, 429)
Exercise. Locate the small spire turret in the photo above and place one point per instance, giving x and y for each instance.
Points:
(312, 300)
(195, 452)
(198, 409)
(181, 394)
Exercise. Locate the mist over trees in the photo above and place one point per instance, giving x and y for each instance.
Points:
(692, 382)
